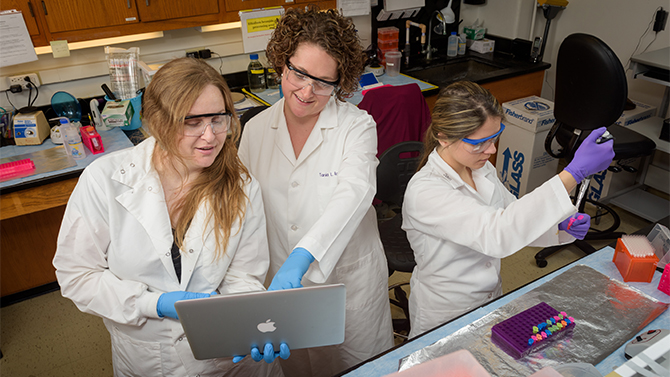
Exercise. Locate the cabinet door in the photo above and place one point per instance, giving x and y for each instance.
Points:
(237, 5)
(28, 10)
(157, 10)
(72, 15)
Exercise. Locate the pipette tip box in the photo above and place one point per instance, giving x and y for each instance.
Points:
(635, 259)
(531, 330)
(15, 168)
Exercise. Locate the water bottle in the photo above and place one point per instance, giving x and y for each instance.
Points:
(461, 44)
(256, 74)
(452, 44)
(71, 139)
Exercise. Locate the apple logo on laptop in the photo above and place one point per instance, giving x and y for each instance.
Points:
(266, 326)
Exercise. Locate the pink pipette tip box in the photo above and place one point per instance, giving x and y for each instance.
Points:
(14, 168)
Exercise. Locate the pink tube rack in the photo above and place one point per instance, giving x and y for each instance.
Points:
(531, 329)
(10, 169)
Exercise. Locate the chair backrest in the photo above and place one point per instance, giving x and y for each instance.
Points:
(396, 167)
(591, 91)
(401, 114)
(591, 86)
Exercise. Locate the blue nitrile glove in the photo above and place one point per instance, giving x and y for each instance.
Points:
(291, 272)
(577, 225)
(269, 354)
(165, 305)
(591, 157)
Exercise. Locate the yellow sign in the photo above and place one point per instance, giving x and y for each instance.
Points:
(262, 24)
(257, 27)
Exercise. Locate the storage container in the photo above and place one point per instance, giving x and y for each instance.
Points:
(633, 268)
(391, 44)
(387, 33)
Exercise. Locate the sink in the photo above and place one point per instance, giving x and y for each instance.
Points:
(446, 73)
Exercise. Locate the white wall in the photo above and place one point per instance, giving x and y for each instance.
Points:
(619, 23)
(84, 71)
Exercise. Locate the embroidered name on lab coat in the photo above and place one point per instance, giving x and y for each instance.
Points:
(328, 174)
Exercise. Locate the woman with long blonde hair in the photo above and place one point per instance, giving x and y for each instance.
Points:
(174, 218)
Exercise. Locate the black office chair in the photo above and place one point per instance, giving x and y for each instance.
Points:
(591, 92)
(396, 166)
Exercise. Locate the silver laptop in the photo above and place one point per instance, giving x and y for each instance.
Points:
(229, 325)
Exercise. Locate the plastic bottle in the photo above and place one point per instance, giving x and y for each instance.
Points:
(256, 74)
(71, 139)
(452, 44)
(461, 44)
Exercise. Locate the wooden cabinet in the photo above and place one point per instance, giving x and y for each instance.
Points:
(160, 10)
(28, 9)
(82, 20)
(73, 15)
(238, 5)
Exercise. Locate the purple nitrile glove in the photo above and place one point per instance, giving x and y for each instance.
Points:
(577, 225)
(591, 157)
(291, 272)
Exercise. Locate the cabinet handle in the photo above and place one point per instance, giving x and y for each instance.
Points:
(44, 6)
(147, 2)
(30, 7)
(128, 2)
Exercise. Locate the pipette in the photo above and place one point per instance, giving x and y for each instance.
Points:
(587, 181)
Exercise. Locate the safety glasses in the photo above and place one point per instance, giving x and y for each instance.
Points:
(301, 79)
(480, 145)
(195, 125)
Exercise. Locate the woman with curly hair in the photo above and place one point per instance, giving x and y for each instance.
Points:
(314, 156)
(177, 217)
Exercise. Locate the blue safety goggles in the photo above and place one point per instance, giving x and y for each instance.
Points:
(480, 145)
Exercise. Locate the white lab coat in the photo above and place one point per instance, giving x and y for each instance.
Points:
(113, 260)
(322, 201)
(459, 235)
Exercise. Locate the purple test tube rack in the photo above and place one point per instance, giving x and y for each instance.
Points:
(517, 335)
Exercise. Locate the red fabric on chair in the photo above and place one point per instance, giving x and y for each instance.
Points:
(401, 114)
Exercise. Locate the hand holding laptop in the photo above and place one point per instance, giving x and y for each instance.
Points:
(291, 272)
(269, 354)
(165, 305)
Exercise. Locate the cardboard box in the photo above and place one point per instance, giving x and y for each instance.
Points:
(532, 113)
(641, 111)
(474, 32)
(607, 183)
(482, 46)
(117, 113)
(522, 163)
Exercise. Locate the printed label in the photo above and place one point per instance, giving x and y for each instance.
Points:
(512, 180)
(597, 185)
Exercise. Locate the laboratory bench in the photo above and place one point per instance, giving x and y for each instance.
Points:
(447, 335)
(32, 208)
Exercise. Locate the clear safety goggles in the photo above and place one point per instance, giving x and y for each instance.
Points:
(480, 145)
(195, 125)
(301, 79)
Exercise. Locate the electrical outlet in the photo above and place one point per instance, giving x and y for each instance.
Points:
(20, 80)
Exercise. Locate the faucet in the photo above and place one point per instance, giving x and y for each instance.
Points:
(423, 38)
(429, 49)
